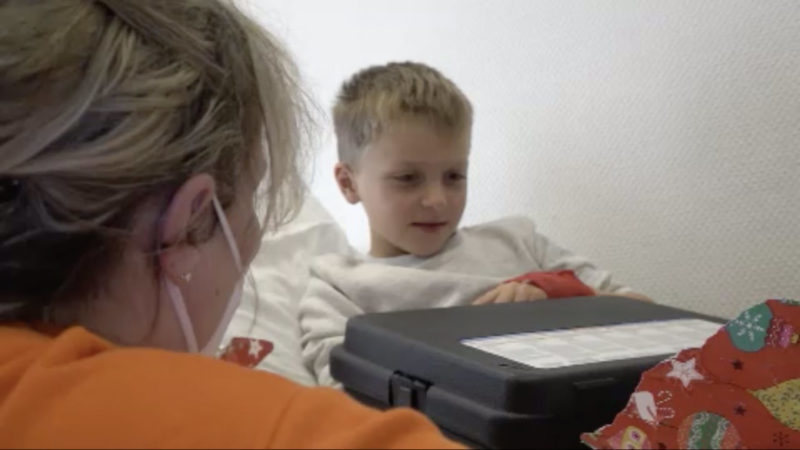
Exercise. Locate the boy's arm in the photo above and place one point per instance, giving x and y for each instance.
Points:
(552, 257)
(323, 312)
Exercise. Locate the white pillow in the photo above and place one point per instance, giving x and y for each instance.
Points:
(280, 272)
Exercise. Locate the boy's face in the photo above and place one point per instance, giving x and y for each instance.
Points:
(412, 182)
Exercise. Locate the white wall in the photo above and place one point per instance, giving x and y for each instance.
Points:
(662, 139)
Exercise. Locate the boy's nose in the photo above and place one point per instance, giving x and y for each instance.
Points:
(434, 197)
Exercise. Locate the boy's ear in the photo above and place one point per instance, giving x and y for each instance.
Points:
(347, 183)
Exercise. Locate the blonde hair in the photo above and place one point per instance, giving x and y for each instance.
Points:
(376, 97)
(107, 104)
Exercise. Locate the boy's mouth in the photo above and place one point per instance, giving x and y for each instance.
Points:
(430, 227)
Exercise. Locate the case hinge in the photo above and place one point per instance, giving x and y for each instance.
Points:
(407, 391)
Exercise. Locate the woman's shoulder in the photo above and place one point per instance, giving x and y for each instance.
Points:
(76, 389)
(97, 392)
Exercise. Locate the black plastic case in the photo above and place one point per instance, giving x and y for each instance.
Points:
(416, 359)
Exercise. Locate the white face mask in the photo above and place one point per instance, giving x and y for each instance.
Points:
(211, 348)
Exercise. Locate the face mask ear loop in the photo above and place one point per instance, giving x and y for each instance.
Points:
(182, 314)
(226, 229)
(179, 306)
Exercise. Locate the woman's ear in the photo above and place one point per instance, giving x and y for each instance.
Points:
(178, 257)
(347, 183)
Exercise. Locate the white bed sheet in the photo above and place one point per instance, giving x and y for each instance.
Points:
(280, 273)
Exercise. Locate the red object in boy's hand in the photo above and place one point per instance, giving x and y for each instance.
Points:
(557, 284)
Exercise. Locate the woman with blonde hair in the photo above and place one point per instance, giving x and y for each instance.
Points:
(134, 138)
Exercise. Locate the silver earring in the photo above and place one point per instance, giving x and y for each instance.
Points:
(187, 277)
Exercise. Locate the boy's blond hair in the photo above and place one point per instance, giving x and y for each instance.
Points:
(378, 96)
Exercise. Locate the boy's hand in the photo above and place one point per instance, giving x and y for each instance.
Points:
(511, 292)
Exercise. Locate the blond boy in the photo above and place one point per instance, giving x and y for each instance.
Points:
(403, 132)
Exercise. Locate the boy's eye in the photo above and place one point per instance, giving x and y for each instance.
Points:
(456, 176)
(405, 178)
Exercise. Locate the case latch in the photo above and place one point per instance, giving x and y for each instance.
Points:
(407, 391)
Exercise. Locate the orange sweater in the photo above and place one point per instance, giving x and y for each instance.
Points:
(77, 390)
